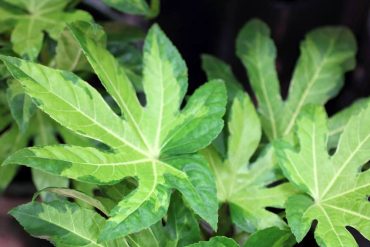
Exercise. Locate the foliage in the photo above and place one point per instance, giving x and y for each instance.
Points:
(136, 7)
(29, 19)
(145, 165)
(155, 154)
(334, 189)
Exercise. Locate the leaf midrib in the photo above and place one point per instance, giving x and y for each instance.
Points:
(59, 225)
(125, 142)
(344, 165)
(310, 85)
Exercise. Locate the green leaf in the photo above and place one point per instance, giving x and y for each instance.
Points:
(258, 53)
(326, 54)
(63, 222)
(21, 105)
(181, 227)
(243, 185)
(69, 55)
(31, 18)
(137, 139)
(217, 241)
(10, 134)
(217, 69)
(338, 122)
(271, 237)
(136, 7)
(336, 190)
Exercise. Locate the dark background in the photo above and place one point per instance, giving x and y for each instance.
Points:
(211, 26)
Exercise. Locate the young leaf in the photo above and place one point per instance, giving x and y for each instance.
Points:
(335, 189)
(136, 7)
(64, 223)
(143, 141)
(326, 54)
(243, 185)
(217, 241)
(31, 18)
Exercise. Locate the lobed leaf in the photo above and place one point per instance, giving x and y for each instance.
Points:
(243, 185)
(143, 143)
(65, 223)
(335, 189)
(258, 53)
(326, 55)
(30, 19)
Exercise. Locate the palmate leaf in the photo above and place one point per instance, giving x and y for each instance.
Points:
(152, 144)
(64, 223)
(334, 189)
(29, 19)
(243, 185)
(326, 54)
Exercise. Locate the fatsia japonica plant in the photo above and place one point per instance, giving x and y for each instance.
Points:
(251, 189)
(153, 143)
(167, 172)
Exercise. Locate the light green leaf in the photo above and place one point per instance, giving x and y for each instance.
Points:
(336, 189)
(338, 122)
(271, 237)
(258, 53)
(136, 140)
(63, 222)
(31, 18)
(217, 241)
(136, 7)
(326, 54)
(243, 185)
(217, 69)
